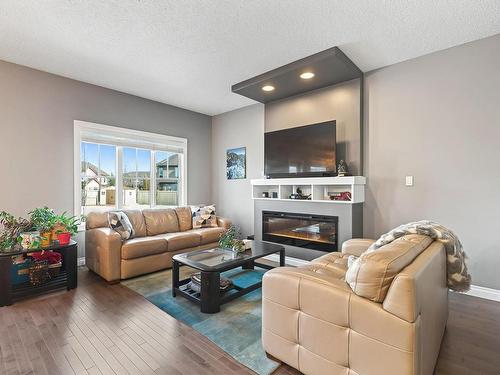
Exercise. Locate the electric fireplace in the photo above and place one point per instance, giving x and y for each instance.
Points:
(302, 230)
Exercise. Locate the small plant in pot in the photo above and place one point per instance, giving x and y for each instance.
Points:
(231, 240)
(15, 233)
(65, 227)
(43, 220)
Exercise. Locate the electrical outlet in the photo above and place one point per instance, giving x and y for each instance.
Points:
(409, 180)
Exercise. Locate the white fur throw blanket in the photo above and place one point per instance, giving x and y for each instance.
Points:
(458, 277)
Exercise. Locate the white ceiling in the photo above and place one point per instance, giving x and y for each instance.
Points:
(189, 53)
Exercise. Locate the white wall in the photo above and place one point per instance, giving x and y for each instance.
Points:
(240, 128)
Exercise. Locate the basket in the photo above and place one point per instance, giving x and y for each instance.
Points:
(20, 270)
(39, 273)
(54, 269)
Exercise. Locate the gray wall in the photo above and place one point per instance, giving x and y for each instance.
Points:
(242, 127)
(340, 102)
(437, 117)
(37, 110)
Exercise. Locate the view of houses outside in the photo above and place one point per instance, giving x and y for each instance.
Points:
(98, 176)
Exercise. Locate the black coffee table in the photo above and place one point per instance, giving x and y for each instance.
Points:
(211, 263)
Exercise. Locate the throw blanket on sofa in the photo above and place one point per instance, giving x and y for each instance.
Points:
(458, 276)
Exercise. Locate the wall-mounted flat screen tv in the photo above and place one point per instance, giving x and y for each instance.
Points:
(305, 151)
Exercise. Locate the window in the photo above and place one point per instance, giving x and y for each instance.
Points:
(98, 171)
(121, 168)
(167, 178)
(136, 178)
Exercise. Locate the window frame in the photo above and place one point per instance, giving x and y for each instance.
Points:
(122, 137)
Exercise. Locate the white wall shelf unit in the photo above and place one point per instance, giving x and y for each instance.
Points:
(318, 187)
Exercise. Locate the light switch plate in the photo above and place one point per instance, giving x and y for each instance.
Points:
(409, 180)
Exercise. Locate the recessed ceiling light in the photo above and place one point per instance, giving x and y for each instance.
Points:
(307, 75)
(267, 88)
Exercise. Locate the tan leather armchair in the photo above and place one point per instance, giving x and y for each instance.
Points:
(159, 235)
(391, 323)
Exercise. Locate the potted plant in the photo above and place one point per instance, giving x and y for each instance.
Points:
(231, 240)
(43, 220)
(16, 232)
(65, 227)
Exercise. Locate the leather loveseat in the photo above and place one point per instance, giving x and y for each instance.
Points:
(159, 235)
(387, 317)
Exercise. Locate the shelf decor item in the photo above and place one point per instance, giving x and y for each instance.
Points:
(53, 259)
(43, 220)
(11, 230)
(39, 273)
(65, 226)
(29, 240)
(231, 240)
(342, 169)
(236, 163)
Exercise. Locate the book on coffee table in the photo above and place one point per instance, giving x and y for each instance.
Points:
(195, 284)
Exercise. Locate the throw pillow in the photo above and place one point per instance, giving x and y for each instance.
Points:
(119, 222)
(204, 217)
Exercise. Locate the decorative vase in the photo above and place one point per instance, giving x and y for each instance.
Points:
(238, 247)
(64, 238)
(45, 238)
(30, 240)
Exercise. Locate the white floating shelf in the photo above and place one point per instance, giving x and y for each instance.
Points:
(318, 187)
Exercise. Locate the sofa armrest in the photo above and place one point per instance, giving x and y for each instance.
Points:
(103, 252)
(301, 308)
(223, 222)
(356, 246)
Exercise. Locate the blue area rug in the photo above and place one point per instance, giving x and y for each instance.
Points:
(236, 328)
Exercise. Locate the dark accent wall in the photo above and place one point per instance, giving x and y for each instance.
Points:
(341, 102)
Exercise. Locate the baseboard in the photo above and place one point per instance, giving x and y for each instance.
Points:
(483, 292)
(80, 261)
(289, 261)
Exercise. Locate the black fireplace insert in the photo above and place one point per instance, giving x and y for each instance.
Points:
(302, 230)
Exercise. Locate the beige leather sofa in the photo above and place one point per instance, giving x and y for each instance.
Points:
(159, 235)
(391, 323)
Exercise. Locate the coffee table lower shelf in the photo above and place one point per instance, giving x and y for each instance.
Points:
(212, 305)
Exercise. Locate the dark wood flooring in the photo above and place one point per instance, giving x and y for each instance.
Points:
(109, 329)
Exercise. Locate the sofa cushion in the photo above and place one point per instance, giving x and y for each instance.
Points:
(208, 235)
(137, 220)
(143, 246)
(204, 217)
(185, 218)
(180, 240)
(97, 220)
(371, 275)
(160, 221)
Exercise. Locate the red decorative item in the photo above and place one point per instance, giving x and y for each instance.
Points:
(343, 196)
(51, 257)
(64, 238)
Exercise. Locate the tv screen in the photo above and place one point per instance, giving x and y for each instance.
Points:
(300, 152)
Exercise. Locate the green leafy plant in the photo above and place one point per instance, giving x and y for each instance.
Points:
(66, 224)
(12, 227)
(231, 239)
(43, 219)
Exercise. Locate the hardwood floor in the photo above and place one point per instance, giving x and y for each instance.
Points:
(109, 329)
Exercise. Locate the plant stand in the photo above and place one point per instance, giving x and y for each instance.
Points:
(67, 277)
